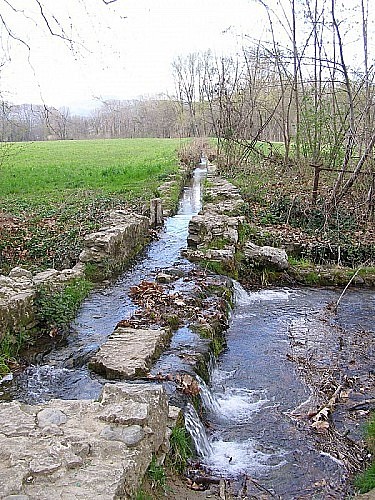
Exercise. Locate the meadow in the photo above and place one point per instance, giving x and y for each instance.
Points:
(53, 193)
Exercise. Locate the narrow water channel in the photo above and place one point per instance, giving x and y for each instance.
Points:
(253, 387)
(62, 373)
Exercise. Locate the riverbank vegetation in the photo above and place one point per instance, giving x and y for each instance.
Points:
(53, 193)
(366, 481)
(294, 120)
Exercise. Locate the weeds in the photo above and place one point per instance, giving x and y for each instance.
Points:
(181, 449)
(56, 308)
(156, 475)
(10, 346)
(142, 495)
(366, 480)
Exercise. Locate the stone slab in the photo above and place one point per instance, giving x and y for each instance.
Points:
(129, 352)
(102, 451)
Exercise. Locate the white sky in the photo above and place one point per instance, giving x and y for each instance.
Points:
(124, 50)
(122, 57)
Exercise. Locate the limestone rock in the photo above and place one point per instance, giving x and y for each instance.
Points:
(94, 458)
(128, 353)
(115, 243)
(45, 276)
(266, 256)
(131, 435)
(50, 416)
(212, 230)
(126, 413)
(19, 272)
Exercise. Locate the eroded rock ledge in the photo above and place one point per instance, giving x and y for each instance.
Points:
(84, 449)
(216, 233)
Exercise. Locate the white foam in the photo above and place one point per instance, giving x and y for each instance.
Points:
(238, 405)
(244, 298)
(234, 458)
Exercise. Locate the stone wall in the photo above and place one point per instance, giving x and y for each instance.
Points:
(105, 253)
(108, 250)
(214, 234)
(84, 449)
(18, 291)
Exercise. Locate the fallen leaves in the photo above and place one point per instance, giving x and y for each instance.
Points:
(200, 306)
(185, 383)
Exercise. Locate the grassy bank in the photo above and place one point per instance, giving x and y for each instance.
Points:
(366, 481)
(53, 193)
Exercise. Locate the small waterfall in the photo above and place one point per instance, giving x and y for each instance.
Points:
(234, 404)
(209, 399)
(197, 431)
(244, 298)
(241, 297)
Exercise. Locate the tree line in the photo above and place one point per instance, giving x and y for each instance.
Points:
(308, 85)
(112, 119)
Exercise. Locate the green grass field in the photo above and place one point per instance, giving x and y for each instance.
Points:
(53, 193)
(113, 166)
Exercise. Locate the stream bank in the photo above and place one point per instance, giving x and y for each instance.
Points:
(155, 295)
(44, 455)
(331, 353)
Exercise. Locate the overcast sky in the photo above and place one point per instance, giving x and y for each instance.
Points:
(124, 50)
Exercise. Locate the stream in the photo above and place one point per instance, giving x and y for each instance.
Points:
(253, 388)
(63, 373)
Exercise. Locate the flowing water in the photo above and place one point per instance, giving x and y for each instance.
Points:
(253, 387)
(62, 373)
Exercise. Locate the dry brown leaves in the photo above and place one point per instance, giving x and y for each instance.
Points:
(185, 383)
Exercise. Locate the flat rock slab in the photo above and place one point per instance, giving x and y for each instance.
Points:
(129, 353)
(83, 449)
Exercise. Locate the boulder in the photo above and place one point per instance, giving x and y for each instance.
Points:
(266, 256)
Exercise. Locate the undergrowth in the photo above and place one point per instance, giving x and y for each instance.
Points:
(180, 449)
(10, 346)
(366, 480)
(156, 475)
(57, 308)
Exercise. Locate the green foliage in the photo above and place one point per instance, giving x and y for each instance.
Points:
(366, 480)
(142, 495)
(156, 474)
(300, 262)
(53, 193)
(312, 278)
(181, 449)
(219, 243)
(10, 346)
(245, 232)
(56, 308)
(173, 321)
(227, 268)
